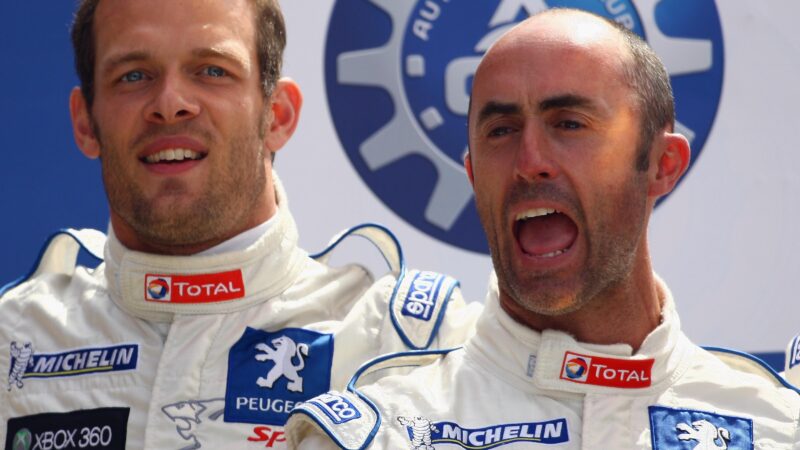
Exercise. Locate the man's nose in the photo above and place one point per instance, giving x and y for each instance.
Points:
(535, 155)
(172, 102)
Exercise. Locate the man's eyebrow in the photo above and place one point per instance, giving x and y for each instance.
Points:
(566, 101)
(218, 52)
(496, 108)
(124, 58)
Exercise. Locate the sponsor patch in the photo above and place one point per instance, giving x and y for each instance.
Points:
(200, 288)
(26, 363)
(338, 408)
(267, 435)
(103, 428)
(190, 415)
(794, 356)
(269, 373)
(421, 298)
(689, 429)
(609, 372)
(423, 433)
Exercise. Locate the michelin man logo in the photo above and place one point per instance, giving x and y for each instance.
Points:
(398, 87)
(283, 353)
(420, 430)
(21, 359)
(708, 436)
(188, 415)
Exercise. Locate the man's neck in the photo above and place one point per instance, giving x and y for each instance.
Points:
(625, 313)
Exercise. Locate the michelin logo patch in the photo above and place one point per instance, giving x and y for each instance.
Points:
(398, 87)
(689, 429)
(270, 373)
(421, 298)
(423, 434)
(26, 363)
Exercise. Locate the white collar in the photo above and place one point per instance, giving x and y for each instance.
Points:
(156, 287)
(553, 360)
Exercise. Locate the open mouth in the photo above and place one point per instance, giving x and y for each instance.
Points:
(173, 155)
(544, 232)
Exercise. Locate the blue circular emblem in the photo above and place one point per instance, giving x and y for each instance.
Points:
(398, 75)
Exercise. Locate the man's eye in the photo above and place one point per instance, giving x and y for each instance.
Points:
(132, 77)
(569, 125)
(499, 131)
(214, 71)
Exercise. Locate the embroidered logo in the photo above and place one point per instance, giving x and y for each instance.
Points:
(337, 407)
(271, 372)
(283, 357)
(794, 352)
(188, 415)
(102, 428)
(698, 430)
(421, 298)
(610, 372)
(424, 434)
(200, 288)
(25, 363)
(21, 360)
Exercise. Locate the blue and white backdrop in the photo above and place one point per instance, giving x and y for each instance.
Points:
(383, 130)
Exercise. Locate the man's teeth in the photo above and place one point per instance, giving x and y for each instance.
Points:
(538, 212)
(552, 254)
(173, 154)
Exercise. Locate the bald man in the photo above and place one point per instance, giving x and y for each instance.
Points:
(571, 145)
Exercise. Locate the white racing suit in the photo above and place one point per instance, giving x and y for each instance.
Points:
(516, 388)
(168, 352)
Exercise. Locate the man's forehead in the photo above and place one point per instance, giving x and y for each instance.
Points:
(154, 26)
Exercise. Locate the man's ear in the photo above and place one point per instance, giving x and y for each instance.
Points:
(286, 102)
(82, 125)
(670, 160)
(468, 167)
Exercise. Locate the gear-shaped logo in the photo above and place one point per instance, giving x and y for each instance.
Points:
(399, 73)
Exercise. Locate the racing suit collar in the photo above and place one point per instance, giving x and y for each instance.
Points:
(553, 360)
(156, 287)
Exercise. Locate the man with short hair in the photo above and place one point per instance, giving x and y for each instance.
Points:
(571, 145)
(206, 324)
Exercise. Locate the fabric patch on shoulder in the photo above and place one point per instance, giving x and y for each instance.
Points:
(418, 306)
(347, 419)
(269, 373)
(690, 429)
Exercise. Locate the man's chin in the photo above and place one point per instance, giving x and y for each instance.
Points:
(547, 297)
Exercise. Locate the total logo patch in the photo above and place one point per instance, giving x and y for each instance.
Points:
(398, 87)
(200, 288)
(26, 363)
(423, 433)
(269, 373)
(104, 428)
(686, 429)
(609, 372)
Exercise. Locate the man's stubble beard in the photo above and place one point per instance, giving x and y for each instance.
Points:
(611, 255)
(224, 205)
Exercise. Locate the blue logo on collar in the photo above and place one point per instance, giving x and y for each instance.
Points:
(270, 373)
(689, 429)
